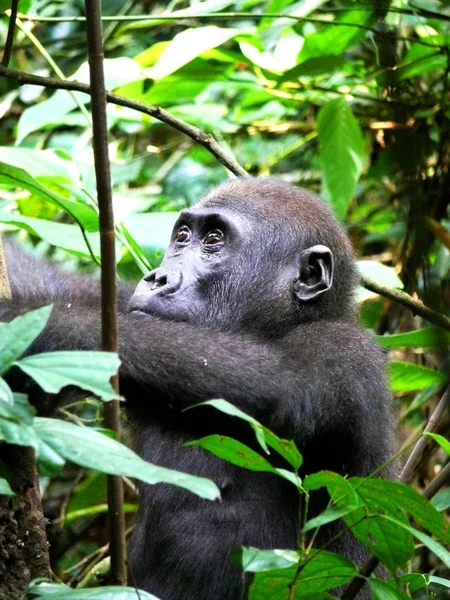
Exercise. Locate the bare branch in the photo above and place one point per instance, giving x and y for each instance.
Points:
(406, 300)
(201, 137)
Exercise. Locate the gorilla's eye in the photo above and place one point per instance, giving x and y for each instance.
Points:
(183, 235)
(213, 237)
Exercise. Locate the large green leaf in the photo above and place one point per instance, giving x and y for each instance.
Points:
(187, 45)
(286, 448)
(61, 235)
(381, 516)
(342, 153)
(420, 338)
(118, 71)
(322, 571)
(94, 450)
(82, 213)
(56, 591)
(88, 370)
(40, 163)
(387, 542)
(17, 335)
(408, 377)
(335, 38)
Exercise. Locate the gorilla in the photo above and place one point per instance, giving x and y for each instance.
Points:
(253, 303)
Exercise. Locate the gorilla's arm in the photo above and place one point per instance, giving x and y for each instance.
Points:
(294, 387)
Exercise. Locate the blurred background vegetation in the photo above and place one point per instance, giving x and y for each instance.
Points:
(349, 99)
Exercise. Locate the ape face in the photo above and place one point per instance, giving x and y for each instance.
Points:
(244, 260)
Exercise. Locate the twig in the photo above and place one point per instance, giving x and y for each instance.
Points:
(7, 52)
(438, 482)
(406, 300)
(111, 413)
(371, 564)
(204, 139)
(415, 458)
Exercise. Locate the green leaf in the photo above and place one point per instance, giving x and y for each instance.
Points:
(380, 273)
(286, 448)
(253, 560)
(441, 500)
(328, 516)
(442, 553)
(416, 581)
(20, 411)
(40, 163)
(187, 45)
(342, 153)
(94, 450)
(6, 394)
(429, 337)
(17, 335)
(322, 571)
(82, 213)
(335, 38)
(96, 509)
(421, 59)
(391, 496)
(54, 111)
(61, 235)
(234, 452)
(5, 488)
(441, 440)
(88, 370)
(151, 231)
(313, 67)
(408, 377)
(385, 540)
(56, 591)
(384, 590)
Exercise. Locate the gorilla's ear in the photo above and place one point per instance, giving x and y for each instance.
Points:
(315, 274)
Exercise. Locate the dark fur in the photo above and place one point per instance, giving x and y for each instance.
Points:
(304, 369)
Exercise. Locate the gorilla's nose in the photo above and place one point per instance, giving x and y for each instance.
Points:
(164, 282)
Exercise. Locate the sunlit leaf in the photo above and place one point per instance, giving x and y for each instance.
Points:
(420, 338)
(408, 377)
(342, 153)
(5, 488)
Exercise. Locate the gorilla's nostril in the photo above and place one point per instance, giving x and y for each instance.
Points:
(159, 281)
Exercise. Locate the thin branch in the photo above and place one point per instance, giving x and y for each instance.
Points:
(357, 583)
(443, 478)
(179, 16)
(204, 139)
(7, 52)
(100, 141)
(415, 458)
(406, 300)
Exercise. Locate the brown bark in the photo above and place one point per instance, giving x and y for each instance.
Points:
(23, 539)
